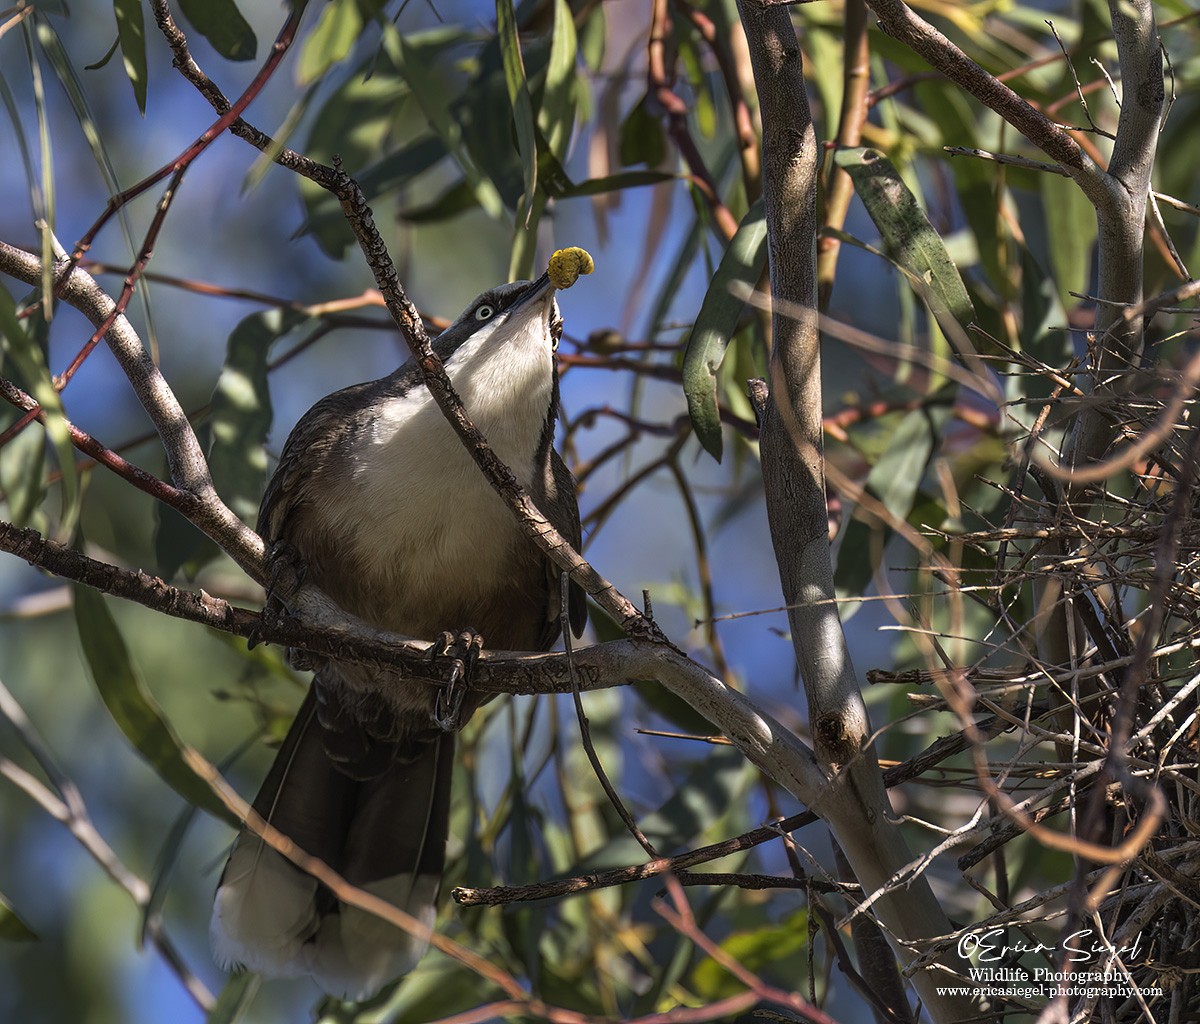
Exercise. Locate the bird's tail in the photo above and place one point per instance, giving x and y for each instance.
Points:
(386, 835)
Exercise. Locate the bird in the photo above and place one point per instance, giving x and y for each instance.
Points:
(377, 502)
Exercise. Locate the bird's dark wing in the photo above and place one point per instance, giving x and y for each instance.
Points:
(561, 507)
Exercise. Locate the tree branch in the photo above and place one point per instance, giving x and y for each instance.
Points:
(185, 457)
(855, 805)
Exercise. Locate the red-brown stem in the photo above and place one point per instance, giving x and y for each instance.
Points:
(659, 86)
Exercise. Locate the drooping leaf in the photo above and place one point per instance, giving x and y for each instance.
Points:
(64, 68)
(592, 38)
(132, 706)
(556, 117)
(44, 194)
(1071, 231)
(742, 264)
(20, 346)
(222, 24)
(420, 59)
(456, 199)
(518, 95)
(331, 40)
(758, 950)
(164, 867)
(612, 183)
(241, 410)
(954, 114)
(713, 786)
(908, 237)
(674, 709)
(641, 139)
(12, 928)
(22, 475)
(179, 546)
(895, 480)
(131, 34)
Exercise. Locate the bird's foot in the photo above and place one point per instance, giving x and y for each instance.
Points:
(286, 574)
(462, 651)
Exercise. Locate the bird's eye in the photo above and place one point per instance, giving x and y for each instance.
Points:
(485, 312)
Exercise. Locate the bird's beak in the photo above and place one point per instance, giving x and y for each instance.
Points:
(542, 291)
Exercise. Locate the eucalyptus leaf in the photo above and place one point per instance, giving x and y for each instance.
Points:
(556, 117)
(613, 183)
(908, 237)
(421, 60)
(895, 479)
(742, 264)
(132, 706)
(12, 928)
(222, 24)
(19, 344)
(331, 40)
(131, 34)
(458, 198)
(241, 410)
(1071, 232)
(518, 95)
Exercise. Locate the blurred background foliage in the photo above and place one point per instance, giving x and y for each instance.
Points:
(486, 136)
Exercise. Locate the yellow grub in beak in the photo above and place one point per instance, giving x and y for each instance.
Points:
(566, 266)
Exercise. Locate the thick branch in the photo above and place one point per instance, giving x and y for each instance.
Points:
(189, 470)
(322, 628)
(856, 805)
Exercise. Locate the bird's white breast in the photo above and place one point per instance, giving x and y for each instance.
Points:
(415, 506)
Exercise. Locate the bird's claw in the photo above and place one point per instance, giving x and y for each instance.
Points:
(463, 652)
(285, 576)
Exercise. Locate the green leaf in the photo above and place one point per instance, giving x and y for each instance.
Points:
(419, 58)
(524, 244)
(164, 867)
(108, 55)
(610, 183)
(954, 113)
(456, 199)
(757, 950)
(556, 117)
(132, 706)
(593, 36)
(895, 479)
(12, 928)
(131, 34)
(641, 139)
(44, 202)
(235, 998)
(22, 476)
(370, 106)
(714, 786)
(908, 237)
(178, 545)
(241, 410)
(518, 95)
(222, 24)
(336, 32)
(54, 50)
(18, 343)
(742, 264)
(1071, 232)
